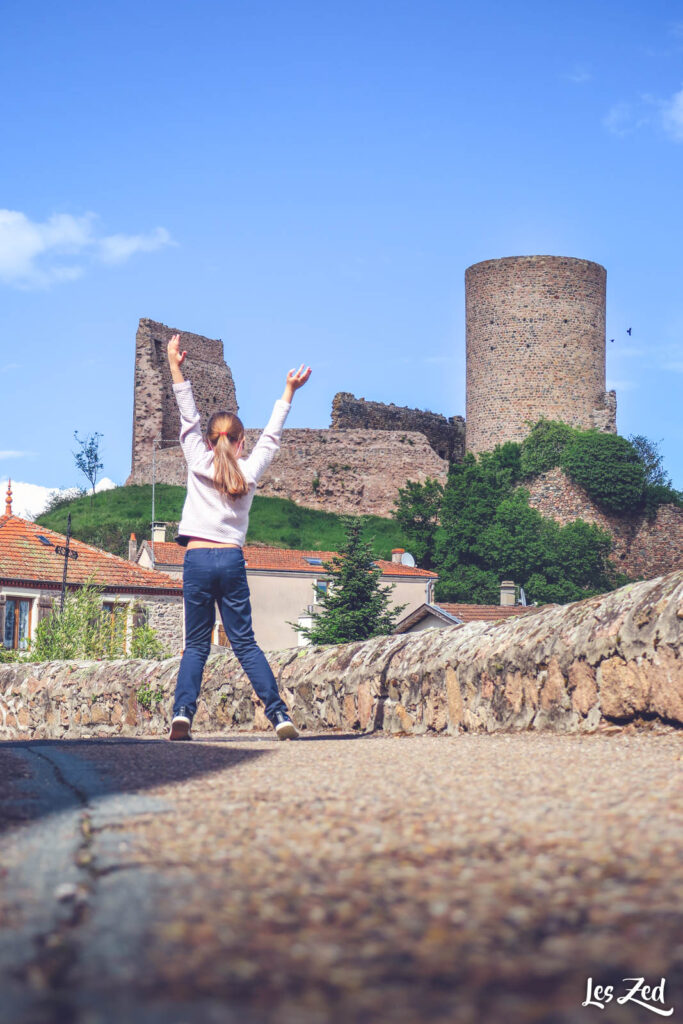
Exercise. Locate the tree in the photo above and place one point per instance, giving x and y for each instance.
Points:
(417, 512)
(355, 606)
(489, 532)
(88, 458)
(652, 460)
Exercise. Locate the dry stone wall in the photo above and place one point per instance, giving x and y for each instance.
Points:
(356, 471)
(446, 436)
(644, 546)
(613, 659)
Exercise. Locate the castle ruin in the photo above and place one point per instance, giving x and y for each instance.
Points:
(535, 348)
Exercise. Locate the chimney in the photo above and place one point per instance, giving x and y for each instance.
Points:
(507, 593)
(158, 533)
(132, 548)
(396, 554)
(8, 499)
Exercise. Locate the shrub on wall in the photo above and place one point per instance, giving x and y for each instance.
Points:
(543, 448)
(607, 467)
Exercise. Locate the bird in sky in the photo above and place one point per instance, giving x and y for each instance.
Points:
(628, 331)
(611, 339)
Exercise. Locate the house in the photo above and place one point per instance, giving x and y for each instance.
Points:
(31, 570)
(285, 584)
(445, 613)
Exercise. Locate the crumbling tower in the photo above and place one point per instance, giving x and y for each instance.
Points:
(535, 347)
(155, 412)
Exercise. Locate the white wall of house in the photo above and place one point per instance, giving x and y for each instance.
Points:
(280, 598)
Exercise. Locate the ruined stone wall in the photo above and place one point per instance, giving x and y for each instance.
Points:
(356, 471)
(535, 347)
(155, 412)
(446, 436)
(616, 658)
(643, 546)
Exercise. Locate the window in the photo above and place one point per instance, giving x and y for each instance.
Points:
(17, 623)
(314, 561)
(320, 587)
(116, 617)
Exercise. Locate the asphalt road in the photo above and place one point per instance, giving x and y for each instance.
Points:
(238, 880)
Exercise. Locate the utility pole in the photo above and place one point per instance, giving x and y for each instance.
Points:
(63, 549)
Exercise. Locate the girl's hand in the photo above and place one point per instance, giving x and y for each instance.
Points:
(295, 380)
(176, 359)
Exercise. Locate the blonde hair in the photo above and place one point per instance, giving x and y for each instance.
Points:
(224, 431)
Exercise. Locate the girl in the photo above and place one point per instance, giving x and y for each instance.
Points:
(220, 490)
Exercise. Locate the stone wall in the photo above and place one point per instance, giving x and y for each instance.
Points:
(357, 471)
(446, 436)
(535, 347)
(615, 658)
(643, 546)
(165, 616)
(155, 412)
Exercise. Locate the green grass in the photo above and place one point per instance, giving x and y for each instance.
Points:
(113, 515)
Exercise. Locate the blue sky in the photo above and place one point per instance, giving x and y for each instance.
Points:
(309, 181)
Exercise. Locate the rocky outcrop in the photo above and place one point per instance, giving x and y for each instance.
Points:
(567, 668)
(643, 545)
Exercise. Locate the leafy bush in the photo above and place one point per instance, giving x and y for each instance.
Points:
(543, 448)
(146, 644)
(7, 655)
(607, 467)
(621, 475)
(86, 631)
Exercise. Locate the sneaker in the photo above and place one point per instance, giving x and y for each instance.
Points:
(284, 727)
(181, 724)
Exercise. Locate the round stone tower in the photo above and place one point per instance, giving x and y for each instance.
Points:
(535, 347)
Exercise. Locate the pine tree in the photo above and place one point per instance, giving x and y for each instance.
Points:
(355, 606)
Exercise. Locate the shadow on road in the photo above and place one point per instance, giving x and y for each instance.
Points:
(43, 777)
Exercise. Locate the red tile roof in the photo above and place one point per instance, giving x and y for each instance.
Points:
(286, 560)
(483, 612)
(24, 557)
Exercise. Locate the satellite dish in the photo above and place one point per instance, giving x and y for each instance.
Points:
(407, 559)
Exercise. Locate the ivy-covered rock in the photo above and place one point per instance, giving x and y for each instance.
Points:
(607, 467)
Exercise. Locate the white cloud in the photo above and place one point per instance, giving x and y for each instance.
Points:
(7, 454)
(117, 248)
(37, 254)
(676, 367)
(29, 500)
(620, 119)
(579, 75)
(672, 116)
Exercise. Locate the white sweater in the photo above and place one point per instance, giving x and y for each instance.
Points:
(207, 513)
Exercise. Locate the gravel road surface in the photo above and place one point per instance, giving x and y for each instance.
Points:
(416, 880)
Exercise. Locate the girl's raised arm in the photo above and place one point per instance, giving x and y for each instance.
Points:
(267, 446)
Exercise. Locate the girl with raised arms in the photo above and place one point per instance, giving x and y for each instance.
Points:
(220, 489)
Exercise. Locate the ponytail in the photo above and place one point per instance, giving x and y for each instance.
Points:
(224, 432)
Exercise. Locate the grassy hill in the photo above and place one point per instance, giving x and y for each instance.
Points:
(111, 516)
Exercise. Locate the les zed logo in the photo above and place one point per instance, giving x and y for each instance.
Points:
(600, 995)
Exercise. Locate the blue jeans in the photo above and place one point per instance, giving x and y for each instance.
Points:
(210, 576)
